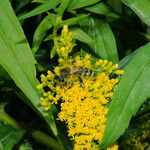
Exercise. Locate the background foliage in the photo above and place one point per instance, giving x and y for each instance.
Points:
(112, 29)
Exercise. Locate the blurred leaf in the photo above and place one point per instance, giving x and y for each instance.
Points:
(115, 5)
(50, 4)
(3, 73)
(141, 8)
(9, 137)
(64, 4)
(41, 30)
(129, 95)
(104, 44)
(102, 9)
(75, 4)
(49, 37)
(21, 4)
(17, 59)
(52, 53)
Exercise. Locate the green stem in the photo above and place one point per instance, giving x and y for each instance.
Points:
(35, 134)
(9, 120)
(46, 140)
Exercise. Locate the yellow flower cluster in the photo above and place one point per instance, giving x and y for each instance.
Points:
(113, 147)
(139, 140)
(84, 89)
(63, 44)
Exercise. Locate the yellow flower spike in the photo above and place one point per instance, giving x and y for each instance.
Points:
(138, 140)
(77, 58)
(49, 72)
(40, 86)
(62, 50)
(57, 70)
(45, 94)
(109, 64)
(119, 72)
(114, 147)
(98, 63)
(47, 108)
(78, 96)
(115, 66)
(64, 32)
(44, 103)
(64, 43)
(87, 57)
(42, 76)
(61, 61)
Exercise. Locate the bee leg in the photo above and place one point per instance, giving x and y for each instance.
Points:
(81, 82)
(92, 74)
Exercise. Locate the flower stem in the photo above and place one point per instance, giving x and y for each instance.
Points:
(9, 120)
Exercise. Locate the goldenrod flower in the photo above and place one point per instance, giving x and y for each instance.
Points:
(83, 90)
(113, 147)
(63, 44)
(139, 140)
(84, 94)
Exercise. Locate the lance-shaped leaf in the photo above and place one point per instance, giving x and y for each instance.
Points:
(64, 4)
(102, 9)
(21, 4)
(72, 21)
(41, 30)
(129, 95)
(75, 4)
(103, 42)
(83, 37)
(9, 137)
(17, 59)
(39, 1)
(50, 4)
(141, 8)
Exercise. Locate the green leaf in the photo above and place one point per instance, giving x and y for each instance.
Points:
(75, 4)
(21, 4)
(9, 137)
(72, 21)
(126, 60)
(116, 5)
(17, 59)
(104, 44)
(141, 8)
(64, 4)
(50, 4)
(129, 95)
(102, 9)
(39, 1)
(41, 30)
(82, 36)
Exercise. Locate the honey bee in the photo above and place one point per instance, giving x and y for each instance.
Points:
(64, 73)
(67, 72)
(82, 71)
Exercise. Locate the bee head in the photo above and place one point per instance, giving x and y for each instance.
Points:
(65, 72)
